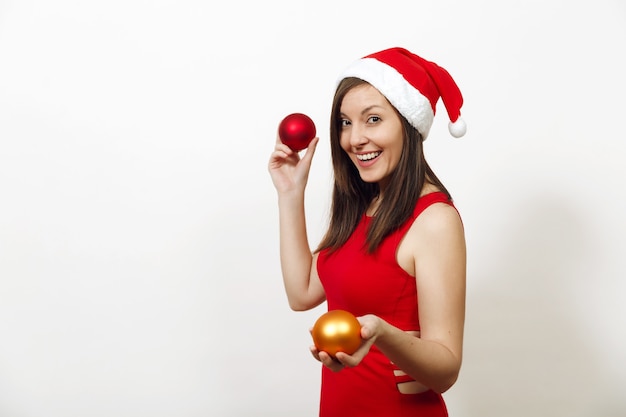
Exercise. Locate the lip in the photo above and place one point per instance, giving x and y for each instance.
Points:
(369, 162)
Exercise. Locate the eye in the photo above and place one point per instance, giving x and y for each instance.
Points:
(344, 122)
(373, 119)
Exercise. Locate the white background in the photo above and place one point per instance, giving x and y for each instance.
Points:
(139, 270)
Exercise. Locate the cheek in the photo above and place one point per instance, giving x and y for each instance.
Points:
(398, 146)
(395, 156)
(344, 143)
(396, 161)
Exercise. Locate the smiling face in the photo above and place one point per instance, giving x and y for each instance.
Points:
(371, 133)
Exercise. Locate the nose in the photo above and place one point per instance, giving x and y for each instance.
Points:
(357, 136)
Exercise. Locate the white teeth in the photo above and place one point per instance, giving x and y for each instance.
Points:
(368, 156)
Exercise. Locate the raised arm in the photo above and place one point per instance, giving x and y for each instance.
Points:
(290, 174)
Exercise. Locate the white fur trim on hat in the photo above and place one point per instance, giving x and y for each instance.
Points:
(414, 106)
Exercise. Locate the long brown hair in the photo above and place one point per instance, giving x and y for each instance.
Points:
(352, 196)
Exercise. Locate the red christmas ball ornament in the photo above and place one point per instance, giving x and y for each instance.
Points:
(337, 331)
(296, 131)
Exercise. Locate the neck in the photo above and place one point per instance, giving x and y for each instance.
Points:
(374, 204)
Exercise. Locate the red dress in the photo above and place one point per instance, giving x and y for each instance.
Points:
(365, 283)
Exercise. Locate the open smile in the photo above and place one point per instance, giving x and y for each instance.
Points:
(366, 157)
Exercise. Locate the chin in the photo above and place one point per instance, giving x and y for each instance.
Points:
(372, 179)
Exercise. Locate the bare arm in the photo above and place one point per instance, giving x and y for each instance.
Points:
(289, 174)
(435, 244)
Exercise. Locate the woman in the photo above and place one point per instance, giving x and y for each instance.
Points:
(394, 252)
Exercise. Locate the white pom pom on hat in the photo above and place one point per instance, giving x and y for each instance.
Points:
(458, 128)
(413, 86)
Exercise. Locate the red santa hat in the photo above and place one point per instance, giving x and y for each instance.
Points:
(413, 86)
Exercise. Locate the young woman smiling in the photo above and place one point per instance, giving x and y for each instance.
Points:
(394, 252)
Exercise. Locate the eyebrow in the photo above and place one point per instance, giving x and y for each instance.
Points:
(365, 110)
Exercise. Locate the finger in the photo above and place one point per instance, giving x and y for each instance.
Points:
(345, 359)
(330, 362)
(365, 333)
(280, 146)
(315, 353)
(310, 150)
(307, 158)
(277, 159)
(367, 328)
(284, 148)
(279, 154)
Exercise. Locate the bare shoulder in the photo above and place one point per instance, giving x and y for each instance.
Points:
(438, 238)
(436, 219)
(437, 231)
